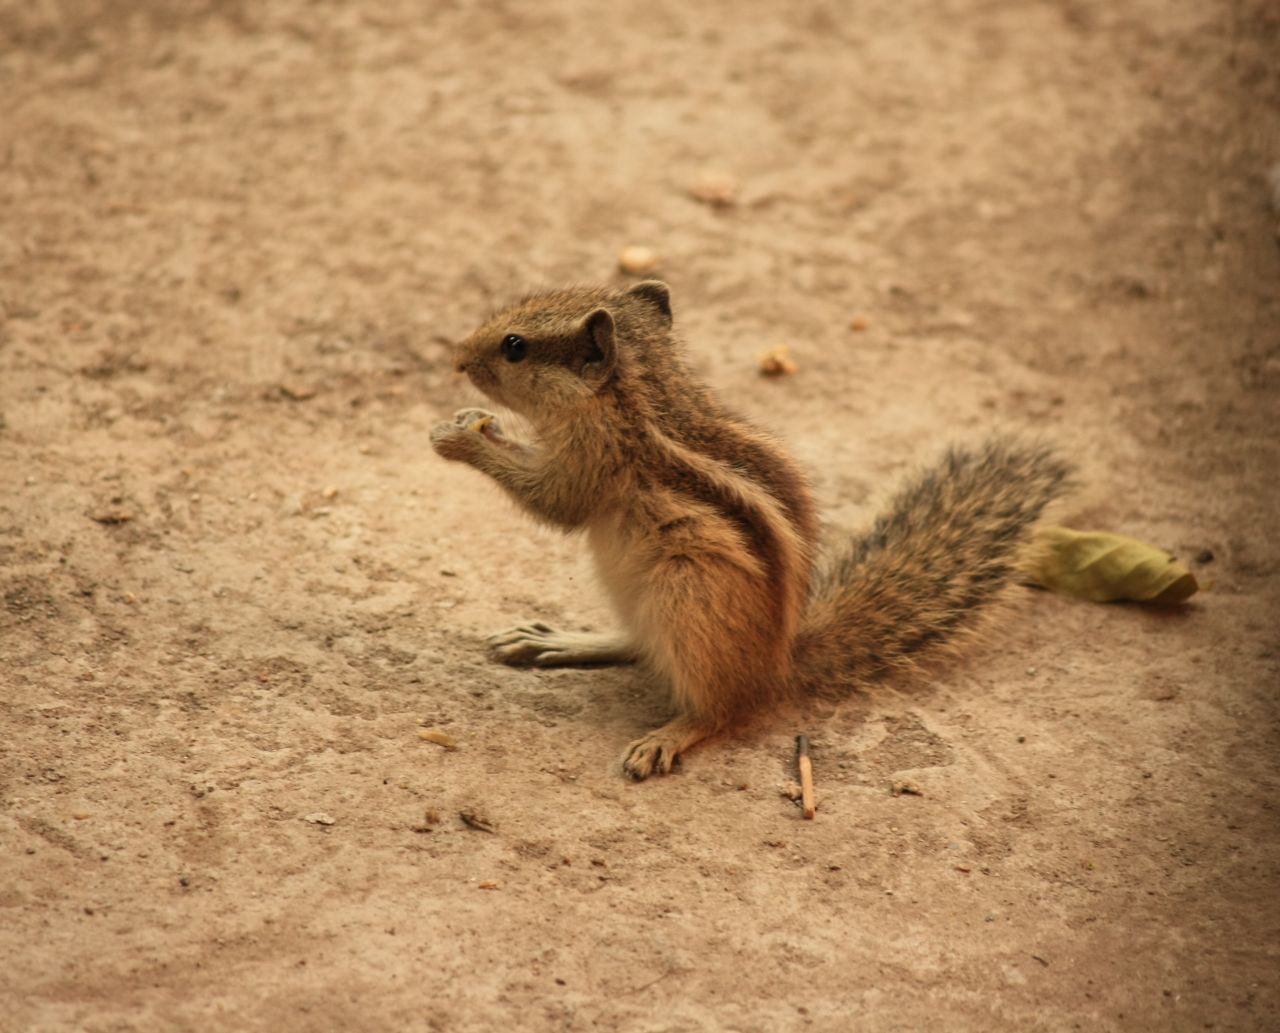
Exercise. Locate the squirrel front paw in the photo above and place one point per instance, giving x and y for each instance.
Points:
(462, 437)
(475, 419)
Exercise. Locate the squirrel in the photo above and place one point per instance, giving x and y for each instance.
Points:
(704, 531)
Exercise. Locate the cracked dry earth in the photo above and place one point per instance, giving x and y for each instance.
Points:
(235, 242)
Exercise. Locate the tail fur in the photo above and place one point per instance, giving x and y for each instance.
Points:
(929, 568)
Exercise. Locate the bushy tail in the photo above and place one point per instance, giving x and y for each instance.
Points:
(929, 568)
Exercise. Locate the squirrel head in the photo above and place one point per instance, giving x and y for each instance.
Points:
(552, 351)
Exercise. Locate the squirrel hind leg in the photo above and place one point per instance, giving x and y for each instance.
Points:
(537, 645)
(711, 629)
(657, 752)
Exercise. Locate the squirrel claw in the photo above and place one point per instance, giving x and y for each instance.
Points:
(523, 645)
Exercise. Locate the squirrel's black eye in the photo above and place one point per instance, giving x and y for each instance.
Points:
(514, 348)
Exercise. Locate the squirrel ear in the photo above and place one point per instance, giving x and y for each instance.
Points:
(656, 293)
(603, 353)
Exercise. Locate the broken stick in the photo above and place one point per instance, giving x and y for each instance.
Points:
(806, 775)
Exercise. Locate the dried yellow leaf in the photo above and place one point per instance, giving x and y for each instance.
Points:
(1104, 567)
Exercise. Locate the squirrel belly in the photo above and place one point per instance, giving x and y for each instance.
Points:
(704, 530)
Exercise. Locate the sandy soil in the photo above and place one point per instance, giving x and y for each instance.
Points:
(235, 243)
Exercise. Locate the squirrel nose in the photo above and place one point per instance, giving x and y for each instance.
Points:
(460, 366)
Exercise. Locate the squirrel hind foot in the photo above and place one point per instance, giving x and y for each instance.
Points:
(539, 645)
(659, 751)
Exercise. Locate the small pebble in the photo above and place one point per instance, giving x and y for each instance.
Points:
(638, 260)
(776, 362)
(715, 187)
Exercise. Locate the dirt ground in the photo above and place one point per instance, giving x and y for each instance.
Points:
(235, 242)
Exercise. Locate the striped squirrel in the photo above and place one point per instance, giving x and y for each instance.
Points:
(704, 531)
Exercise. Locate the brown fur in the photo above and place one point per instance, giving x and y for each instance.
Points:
(703, 529)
